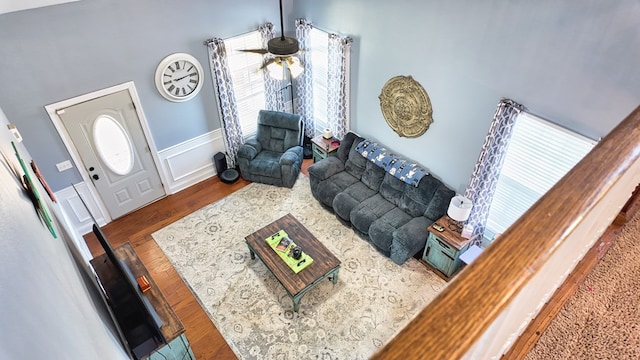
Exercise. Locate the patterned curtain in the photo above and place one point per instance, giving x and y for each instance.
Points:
(274, 99)
(228, 109)
(482, 184)
(304, 84)
(338, 84)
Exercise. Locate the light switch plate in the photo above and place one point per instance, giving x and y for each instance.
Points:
(65, 165)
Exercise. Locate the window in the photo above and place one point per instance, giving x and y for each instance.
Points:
(249, 84)
(319, 50)
(539, 154)
(247, 78)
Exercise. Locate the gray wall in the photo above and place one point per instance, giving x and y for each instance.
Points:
(575, 64)
(58, 52)
(50, 308)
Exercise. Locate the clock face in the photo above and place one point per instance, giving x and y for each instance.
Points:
(179, 77)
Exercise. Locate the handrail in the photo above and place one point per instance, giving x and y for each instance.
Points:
(459, 316)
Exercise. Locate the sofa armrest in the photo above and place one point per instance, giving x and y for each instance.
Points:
(250, 149)
(409, 239)
(290, 156)
(326, 168)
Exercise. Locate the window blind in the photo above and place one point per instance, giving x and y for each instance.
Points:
(539, 154)
(247, 79)
(319, 51)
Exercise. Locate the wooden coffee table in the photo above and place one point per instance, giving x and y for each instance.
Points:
(325, 264)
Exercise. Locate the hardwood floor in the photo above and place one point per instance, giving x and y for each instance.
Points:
(206, 341)
(137, 227)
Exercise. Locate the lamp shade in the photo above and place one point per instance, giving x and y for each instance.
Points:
(459, 208)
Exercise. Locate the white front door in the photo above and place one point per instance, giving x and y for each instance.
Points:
(109, 139)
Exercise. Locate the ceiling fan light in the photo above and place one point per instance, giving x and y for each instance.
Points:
(276, 70)
(295, 66)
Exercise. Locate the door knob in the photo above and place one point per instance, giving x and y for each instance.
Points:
(95, 176)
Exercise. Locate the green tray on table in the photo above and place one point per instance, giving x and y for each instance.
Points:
(283, 251)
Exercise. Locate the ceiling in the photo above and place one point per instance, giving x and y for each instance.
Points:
(7, 6)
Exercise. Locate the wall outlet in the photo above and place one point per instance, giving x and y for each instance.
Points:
(65, 165)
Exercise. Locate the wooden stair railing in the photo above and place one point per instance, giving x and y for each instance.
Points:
(465, 319)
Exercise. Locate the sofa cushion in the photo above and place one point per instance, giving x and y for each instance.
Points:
(368, 211)
(415, 200)
(355, 163)
(278, 131)
(392, 188)
(329, 188)
(439, 202)
(381, 230)
(346, 144)
(266, 164)
(353, 195)
(372, 175)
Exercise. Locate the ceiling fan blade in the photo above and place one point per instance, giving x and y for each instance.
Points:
(255, 51)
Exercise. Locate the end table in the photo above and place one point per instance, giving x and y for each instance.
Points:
(323, 147)
(444, 247)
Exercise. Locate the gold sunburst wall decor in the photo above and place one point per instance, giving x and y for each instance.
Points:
(406, 106)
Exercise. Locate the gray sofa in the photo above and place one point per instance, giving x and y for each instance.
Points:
(391, 214)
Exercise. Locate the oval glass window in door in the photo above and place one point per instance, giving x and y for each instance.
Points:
(113, 144)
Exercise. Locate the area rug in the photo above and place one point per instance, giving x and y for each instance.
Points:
(601, 320)
(373, 299)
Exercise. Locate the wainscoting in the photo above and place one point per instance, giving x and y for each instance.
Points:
(182, 165)
(190, 162)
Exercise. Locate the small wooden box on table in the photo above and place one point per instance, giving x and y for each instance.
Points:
(444, 248)
(324, 147)
(177, 346)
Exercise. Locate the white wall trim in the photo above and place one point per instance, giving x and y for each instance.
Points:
(184, 164)
(75, 212)
(190, 162)
(179, 166)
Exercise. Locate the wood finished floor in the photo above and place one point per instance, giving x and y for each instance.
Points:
(137, 227)
(206, 341)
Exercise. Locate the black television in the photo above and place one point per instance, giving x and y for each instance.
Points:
(137, 321)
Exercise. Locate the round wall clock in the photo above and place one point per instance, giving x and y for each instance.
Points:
(179, 77)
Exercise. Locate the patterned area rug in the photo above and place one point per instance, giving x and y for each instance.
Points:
(373, 299)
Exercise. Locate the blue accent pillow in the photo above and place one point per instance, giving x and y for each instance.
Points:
(411, 173)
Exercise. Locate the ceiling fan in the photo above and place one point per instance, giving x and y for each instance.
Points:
(283, 49)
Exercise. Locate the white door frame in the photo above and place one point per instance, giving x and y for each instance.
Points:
(52, 111)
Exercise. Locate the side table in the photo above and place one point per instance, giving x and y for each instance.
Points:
(444, 247)
(323, 147)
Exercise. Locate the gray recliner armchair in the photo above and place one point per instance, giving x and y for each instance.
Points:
(274, 155)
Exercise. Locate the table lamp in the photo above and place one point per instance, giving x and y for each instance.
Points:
(459, 211)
